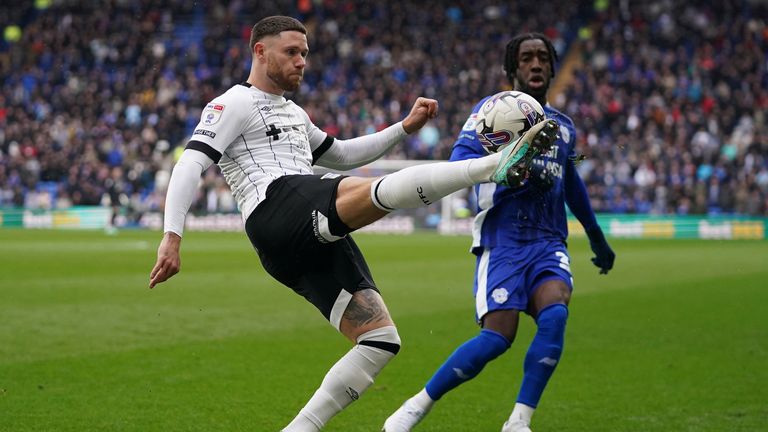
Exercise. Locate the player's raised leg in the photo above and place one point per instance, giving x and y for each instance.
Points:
(361, 201)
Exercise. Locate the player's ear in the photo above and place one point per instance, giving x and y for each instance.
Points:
(258, 51)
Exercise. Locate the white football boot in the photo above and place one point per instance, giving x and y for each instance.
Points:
(515, 426)
(405, 418)
(518, 156)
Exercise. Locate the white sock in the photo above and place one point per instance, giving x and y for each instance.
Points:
(522, 412)
(421, 185)
(301, 423)
(422, 400)
(345, 381)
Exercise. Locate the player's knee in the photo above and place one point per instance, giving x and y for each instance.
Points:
(384, 338)
(375, 349)
(553, 318)
(356, 371)
(490, 345)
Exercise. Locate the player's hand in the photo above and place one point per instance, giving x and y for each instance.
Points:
(168, 260)
(423, 110)
(604, 255)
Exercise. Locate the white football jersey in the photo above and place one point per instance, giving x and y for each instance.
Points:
(256, 137)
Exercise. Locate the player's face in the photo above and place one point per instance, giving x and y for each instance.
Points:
(286, 56)
(534, 68)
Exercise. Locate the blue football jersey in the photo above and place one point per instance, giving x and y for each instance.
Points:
(510, 216)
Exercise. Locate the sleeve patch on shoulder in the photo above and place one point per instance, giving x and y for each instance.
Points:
(212, 114)
(471, 123)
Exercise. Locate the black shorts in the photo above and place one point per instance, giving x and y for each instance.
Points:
(303, 244)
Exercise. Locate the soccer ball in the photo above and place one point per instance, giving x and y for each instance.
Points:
(505, 117)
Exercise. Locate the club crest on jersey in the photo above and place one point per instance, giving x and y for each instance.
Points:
(494, 140)
(212, 114)
(471, 123)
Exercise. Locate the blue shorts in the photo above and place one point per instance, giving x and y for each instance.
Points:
(506, 277)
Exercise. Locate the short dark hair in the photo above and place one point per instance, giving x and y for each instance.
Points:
(274, 25)
(513, 49)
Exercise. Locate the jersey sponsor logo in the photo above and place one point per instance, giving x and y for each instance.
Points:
(212, 114)
(471, 123)
(204, 132)
(565, 134)
(500, 295)
(554, 168)
(552, 153)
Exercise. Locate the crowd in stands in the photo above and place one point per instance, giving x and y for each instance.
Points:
(669, 98)
(671, 101)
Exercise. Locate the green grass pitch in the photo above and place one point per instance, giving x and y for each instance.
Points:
(674, 339)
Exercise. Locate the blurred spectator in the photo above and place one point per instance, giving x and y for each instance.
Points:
(670, 96)
(680, 89)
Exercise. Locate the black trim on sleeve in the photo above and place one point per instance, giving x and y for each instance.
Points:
(320, 151)
(205, 149)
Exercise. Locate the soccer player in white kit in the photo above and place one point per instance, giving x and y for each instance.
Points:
(298, 222)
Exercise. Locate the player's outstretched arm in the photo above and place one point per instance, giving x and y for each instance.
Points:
(181, 191)
(346, 154)
(604, 255)
(168, 260)
(578, 201)
(423, 110)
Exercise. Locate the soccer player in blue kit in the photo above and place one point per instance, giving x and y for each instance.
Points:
(519, 240)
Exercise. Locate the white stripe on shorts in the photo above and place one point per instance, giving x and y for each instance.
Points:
(485, 202)
(339, 306)
(481, 296)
